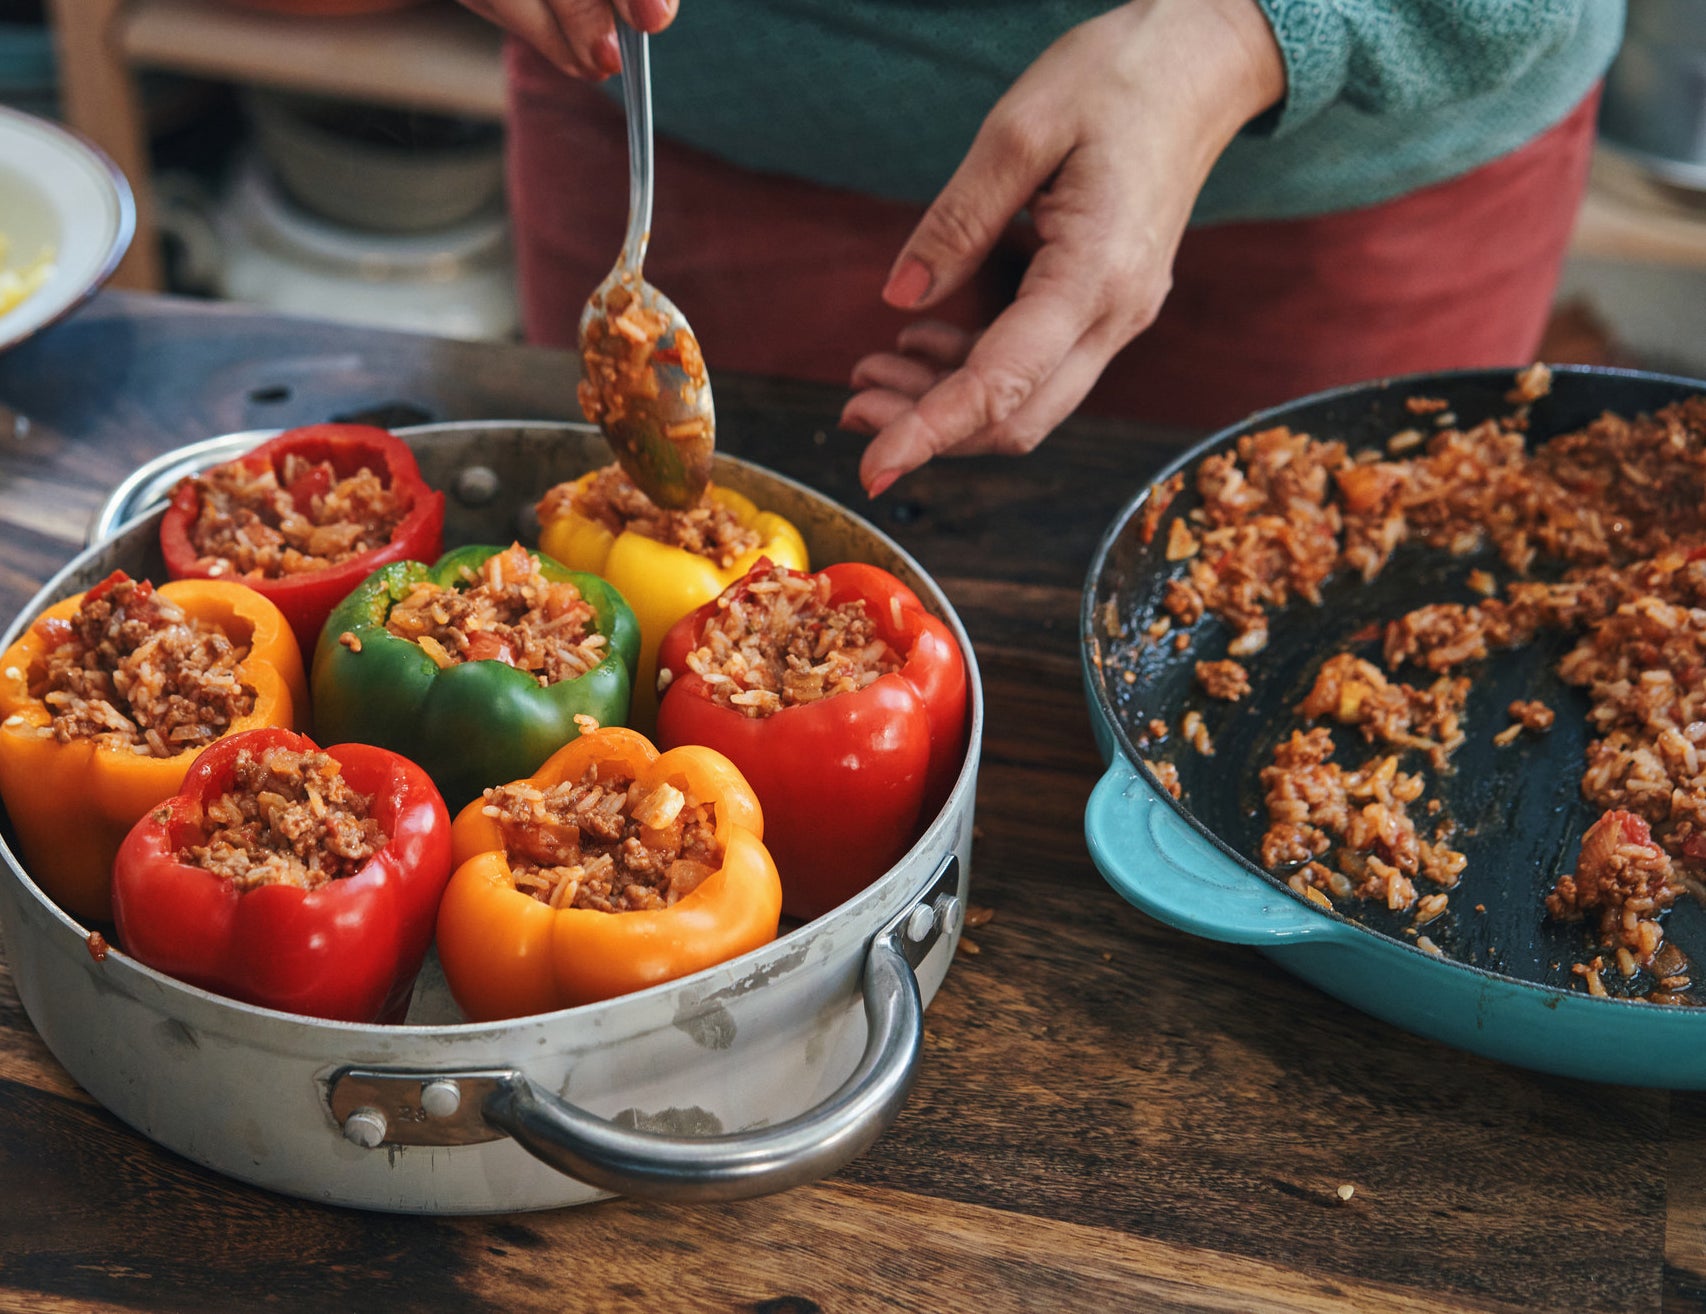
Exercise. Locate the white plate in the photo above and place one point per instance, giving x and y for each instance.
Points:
(58, 191)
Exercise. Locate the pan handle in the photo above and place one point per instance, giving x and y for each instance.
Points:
(802, 1149)
(379, 1108)
(1158, 861)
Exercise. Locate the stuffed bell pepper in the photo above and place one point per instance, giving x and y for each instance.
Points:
(304, 518)
(613, 868)
(289, 876)
(843, 702)
(665, 563)
(107, 698)
(478, 666)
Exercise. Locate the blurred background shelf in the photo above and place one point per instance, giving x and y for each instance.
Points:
(1633, 291)
(435, 57)
(432, 56)
(1629, 215)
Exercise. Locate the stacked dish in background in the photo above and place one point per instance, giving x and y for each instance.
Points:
(356, 213)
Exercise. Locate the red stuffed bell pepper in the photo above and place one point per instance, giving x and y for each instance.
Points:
(300, 879)
(842, 701)
(304, 518)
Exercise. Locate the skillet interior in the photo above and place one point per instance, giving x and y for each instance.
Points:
(1519, 809)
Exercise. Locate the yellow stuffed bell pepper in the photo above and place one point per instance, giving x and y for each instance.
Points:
(543, 914)
(660, 581)
(72, 800)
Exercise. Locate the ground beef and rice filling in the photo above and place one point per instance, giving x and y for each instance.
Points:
(776, 640)
(287, 818)
(1225, 680)
(271, 523)
(620, 354)
(1618, 503)
(505, 611)
(611, 499)
(131, 669)
(605, 843)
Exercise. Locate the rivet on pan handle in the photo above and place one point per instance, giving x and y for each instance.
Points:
(388, 1107)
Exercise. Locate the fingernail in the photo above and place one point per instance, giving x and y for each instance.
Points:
(607, 55)
(650, 15)
(908, 284)
(879, 483)
(855, 424)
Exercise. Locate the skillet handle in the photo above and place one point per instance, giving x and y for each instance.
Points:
(1157, 861)
(802, 1149)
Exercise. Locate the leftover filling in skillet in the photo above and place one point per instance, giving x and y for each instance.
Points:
(130, 668)
(1623, 880)
(611, 499)
(1314, 802)
(606, 844)
(266, 524)
(506, 611)
(288, 818)
(1525, 714)
(777, 641)
(1618, 504)
(1226, 680)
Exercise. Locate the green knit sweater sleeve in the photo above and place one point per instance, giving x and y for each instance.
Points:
(1405, 56)
(885, 96)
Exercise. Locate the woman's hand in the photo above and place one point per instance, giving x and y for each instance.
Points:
(1107, 138)
(578, 36)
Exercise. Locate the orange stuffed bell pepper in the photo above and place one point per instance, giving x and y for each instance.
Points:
(664, 563)
(612, 868)
(107, 698)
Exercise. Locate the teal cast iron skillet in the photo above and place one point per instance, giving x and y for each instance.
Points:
(1501, 985)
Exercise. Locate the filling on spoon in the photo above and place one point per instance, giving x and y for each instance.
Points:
(619, 350)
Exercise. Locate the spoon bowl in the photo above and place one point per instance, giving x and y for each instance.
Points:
(644, 382)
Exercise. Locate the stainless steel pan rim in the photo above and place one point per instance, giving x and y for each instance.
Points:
(1161, 856)
(468, 1096)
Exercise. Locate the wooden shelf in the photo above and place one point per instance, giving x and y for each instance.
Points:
(436, 57)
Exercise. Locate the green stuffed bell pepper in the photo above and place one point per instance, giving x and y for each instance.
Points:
(477, 667)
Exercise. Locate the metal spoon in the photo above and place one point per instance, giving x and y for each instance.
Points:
(645, 384)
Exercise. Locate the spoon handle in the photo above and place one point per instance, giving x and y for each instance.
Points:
(637, 102)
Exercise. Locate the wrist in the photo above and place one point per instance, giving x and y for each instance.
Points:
(1255, 62)
(1217, 62)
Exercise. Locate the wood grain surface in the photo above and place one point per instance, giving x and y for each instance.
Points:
(1109, 1115)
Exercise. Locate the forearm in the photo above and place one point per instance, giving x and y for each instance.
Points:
(1106, 139)
(1132, 107)
(1218, 60)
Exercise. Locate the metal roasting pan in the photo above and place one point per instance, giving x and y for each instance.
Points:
(765, 1072)
(1502, 986)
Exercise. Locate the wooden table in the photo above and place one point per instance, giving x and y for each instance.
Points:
(1110, 1115)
